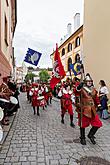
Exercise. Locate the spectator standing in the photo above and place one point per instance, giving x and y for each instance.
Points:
(103, 92)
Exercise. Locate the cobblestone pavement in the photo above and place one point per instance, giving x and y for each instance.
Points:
(43, 140)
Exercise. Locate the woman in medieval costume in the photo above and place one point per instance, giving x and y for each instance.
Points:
(103, 92)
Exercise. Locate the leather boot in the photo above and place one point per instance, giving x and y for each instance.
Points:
(34, 110)
(62, 118)
(91, 134)
(50, 100)
(38, 111)
(82, 137)
(71, 121)
(47, 102)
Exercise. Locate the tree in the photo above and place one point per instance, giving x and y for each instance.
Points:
(30, 76)
(44, 76)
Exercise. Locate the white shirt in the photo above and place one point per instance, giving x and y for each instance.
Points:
(32, 91)
(104, 90)
(64, 91)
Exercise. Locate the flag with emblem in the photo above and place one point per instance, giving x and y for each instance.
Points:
(32, 57)
(58, 70)
(76, 68)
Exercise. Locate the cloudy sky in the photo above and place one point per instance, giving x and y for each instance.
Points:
(41, 24)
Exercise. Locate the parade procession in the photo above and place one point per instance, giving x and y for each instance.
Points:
(54, 85)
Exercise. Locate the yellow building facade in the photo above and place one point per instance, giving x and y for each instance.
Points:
(96, 45)
(69, 49)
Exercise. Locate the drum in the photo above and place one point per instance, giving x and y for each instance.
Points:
(4, 100)
(13, 100)
(1, 114)
(40, 98)
(1, 133)
(42, 101)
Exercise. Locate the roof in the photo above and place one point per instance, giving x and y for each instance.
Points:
(81, 27)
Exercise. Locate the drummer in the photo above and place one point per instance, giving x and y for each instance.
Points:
(45, 94)
(27, 90)
(34, 94)
(5, 93)
(42, 101)
(49, 95)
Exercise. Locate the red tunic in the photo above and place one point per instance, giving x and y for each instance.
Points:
(45, 94)
(35, 102)
(66, 104)
(86, 109)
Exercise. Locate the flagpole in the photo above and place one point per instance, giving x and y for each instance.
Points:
(82, 58)
(70, 74)
(82, 78)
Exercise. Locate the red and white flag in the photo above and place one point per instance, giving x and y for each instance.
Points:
(58, 70)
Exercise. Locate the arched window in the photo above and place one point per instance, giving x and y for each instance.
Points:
(69, 62)
(69, 47)
(63, 52)
(77, 58)
(77, 42)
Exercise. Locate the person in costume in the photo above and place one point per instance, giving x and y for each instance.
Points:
(41, 98)
(103, 92)
(49, 94)
(66, 96)
(27, 90)
(45, 94)
(34, 94)
(5, 93)
(87, 109)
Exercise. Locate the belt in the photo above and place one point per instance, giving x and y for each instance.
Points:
(88, 104)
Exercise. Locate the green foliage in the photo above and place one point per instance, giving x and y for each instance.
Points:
(30, 76)
(44, 76)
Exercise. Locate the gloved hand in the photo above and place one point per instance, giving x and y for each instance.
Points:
(80, 86)
(99, 108)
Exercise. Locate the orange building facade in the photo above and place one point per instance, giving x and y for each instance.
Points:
(8, 19)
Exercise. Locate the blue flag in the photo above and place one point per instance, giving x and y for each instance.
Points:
(75, 67)
(32, 57)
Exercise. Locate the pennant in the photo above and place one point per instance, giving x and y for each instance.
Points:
(58, 70)
(32, 57)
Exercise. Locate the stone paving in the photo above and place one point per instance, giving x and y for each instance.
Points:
(43, 140)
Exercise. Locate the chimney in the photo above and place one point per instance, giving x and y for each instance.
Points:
(76, 21)
(69, 29)
(61, 40)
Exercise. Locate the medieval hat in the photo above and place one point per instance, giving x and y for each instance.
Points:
(88, 78)
(34, 85)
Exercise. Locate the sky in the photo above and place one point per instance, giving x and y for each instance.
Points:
(41, 24)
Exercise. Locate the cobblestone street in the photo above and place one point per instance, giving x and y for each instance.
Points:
(43, 140)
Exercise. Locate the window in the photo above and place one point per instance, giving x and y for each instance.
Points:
(69, 62)
(6, 31)
(69, 47)
(77, 58)
(77, 42)
(63, 52)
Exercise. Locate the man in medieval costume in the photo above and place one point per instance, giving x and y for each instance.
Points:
(87, 109)
(67, 98)
(34, 94)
